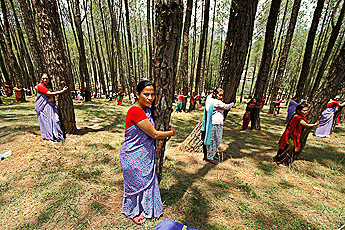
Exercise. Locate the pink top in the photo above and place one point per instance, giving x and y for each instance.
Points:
(218, 111)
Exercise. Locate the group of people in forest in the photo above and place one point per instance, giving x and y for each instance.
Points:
(141, 199)
(195, 103)
(19, 92)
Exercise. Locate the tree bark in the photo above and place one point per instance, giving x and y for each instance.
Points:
(6, 72)
(246, 71)
(13, 64)
(4, 69)
(309, 49)
(23, 49)
(115, 29)
(30, 29)
(239, 35)
(169, 17)
(331, 42)
(49, 27)
(84, 73)
(334, 81)
(94, 68)
(149, 40)
(198, 76)
(183, 71)
(191, 80)
(100, 65)
(209, 77)
(69, 64)
(285, 54)
(265, 60)
(130, 49)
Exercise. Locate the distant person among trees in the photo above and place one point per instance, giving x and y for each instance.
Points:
(212, 123)
(325, 126)
(251, 106)
(18, 92)
(141, 199)
(79, 95)
(182, 100)
(291, 109)
(277, 105)
(132, 96)
(8, 90)
(120, 97)
(198, 102)
(47, 112)
(290, 141)
(192, 102)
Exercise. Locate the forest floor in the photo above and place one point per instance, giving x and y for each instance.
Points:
(79, 184)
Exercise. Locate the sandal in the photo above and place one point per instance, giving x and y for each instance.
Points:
(139, 219)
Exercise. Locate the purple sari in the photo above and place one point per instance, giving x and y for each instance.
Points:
(48, 119)
(324, 128)
(138, 162)
(291, 110)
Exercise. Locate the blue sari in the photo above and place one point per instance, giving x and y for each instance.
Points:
(138, 162)
(48, 119)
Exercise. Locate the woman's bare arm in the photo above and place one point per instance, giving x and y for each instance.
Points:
(306, 125)
(57, 92)
(146, 126)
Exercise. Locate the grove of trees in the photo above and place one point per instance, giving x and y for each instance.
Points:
(248, 47)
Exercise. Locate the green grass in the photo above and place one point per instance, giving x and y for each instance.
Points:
(79, 185)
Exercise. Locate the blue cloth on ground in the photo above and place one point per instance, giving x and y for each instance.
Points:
(168, 224)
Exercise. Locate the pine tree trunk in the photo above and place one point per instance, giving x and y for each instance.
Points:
(69, 64)
(84, 73)
(209, 78)
(331, 42)
(261, 82)
(49, 27)
(100, 65)
(115, 31)
(239, 35)
(191, 80)
(23, 49)
(183, 71)
(132, 81)
(198, 76)
(13, 64)
(94, 68)
(169, 17)
(285, 53)
(246, 71)
(24, 77)
(253, 77)
(309, 49)
(29, 23)
(4, 69)
(110, 57)
(149, 40)
(334, 81)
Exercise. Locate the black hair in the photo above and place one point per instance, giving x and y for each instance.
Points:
(216, 91)
(251, 100)
(300, 107)
(143, 84)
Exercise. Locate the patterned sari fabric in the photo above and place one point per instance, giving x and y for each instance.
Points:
(290, 142)
(324, 128)
(48, 119)
(138, 162)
